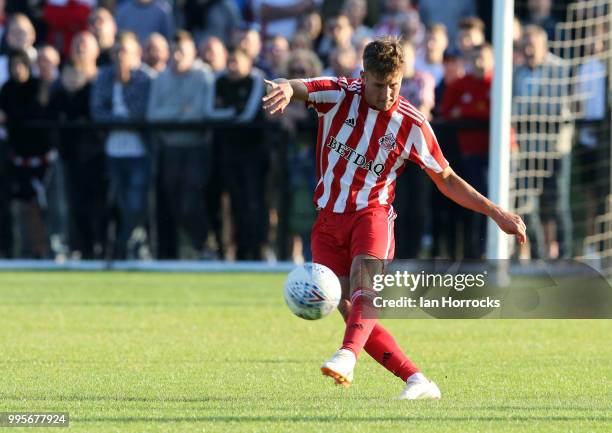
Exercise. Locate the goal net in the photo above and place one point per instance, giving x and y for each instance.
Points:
(561, 118)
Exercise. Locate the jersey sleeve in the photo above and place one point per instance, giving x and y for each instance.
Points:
(425, 149)
(324, 92)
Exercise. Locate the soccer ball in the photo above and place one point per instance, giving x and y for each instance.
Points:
(312, 291)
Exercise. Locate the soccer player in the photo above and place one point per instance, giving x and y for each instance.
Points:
(366, 134)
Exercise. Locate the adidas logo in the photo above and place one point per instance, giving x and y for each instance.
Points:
(350, 122)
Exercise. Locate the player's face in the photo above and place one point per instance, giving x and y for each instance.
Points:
(382, 92)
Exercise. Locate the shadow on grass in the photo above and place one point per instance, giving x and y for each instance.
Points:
(209, 399)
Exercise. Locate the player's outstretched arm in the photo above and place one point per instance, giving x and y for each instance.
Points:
(280, 92)
(458, 190)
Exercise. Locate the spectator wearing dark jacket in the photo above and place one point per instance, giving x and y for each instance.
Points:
(82, 151)
(244, 159)
(83, 156)
(121, 93)
(29, 152)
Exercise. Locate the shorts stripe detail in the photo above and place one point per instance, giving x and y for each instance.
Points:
(389, 232)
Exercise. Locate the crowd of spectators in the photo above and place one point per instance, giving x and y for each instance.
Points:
(126, 193)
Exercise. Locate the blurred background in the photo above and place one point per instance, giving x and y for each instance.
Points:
(133, 129)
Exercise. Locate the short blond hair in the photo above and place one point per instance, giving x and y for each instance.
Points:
(383, 56)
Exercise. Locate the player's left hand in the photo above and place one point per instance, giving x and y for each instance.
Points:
(512, 224)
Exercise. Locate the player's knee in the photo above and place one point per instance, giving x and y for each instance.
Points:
(363, 269)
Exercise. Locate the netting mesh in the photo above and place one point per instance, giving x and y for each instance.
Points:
(561, 119)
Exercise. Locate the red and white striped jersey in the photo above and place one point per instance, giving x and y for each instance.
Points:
(360, 150)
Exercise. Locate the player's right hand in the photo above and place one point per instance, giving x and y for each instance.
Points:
(278, 96)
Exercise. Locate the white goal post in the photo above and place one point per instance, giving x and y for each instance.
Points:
(501, 106)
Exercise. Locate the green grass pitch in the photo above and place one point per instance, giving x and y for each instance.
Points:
(136, 352)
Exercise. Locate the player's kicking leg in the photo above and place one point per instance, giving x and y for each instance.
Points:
(379, 343)
(360, 321)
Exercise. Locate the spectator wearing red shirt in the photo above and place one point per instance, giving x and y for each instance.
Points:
(470, 98)
(64, 19)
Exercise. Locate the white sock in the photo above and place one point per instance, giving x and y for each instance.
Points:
(416, 377)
